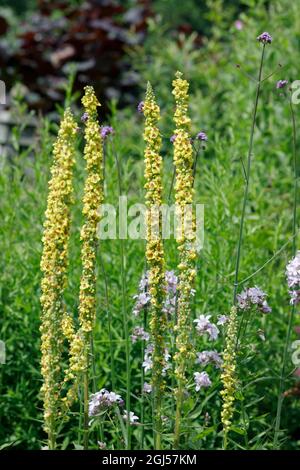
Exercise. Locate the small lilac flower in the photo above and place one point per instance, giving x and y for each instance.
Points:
(222, 319)
(173, 138)
(84, 117)
(106, 131)
(139, 333)
(203, 326)
(201, 380)
(202, 136)
(265, 38)
(140, 107)
(171, 280)
(253, 296)
(281, 84)
(293, 278)
(132, 417)
(147, 388)
(209, 357)
(239, 25)
(103, 400)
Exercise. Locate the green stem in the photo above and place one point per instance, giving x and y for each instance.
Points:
(109, 323)
(246, 190)
(292, 311)
(86, 402)
(179, 401)
(142, 385)
(125, 317)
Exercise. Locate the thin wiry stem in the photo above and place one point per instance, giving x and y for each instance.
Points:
(246, 190)
(124, 315)
(109, 323)
(292, 311)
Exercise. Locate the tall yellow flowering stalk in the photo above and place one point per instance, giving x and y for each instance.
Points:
(154, 252)
(54, 265)
(183, 160)
(92, 200)
(228, 376)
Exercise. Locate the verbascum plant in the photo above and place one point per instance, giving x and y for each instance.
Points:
(155, 253)
(54, 265)
(184, 192)
(228, 376)
(92, 200)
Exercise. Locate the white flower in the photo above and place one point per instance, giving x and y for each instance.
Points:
(147, 388)
(222, 319)
(132, 417)
(203, 326)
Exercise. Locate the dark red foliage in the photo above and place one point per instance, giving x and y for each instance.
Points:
(94, 36)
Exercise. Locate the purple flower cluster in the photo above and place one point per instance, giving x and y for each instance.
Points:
(293, 278)
(103, 400)
(171, 289)
(202, 137)
(148, 362)
(139, 333)
(204, 326)
(84, 117)
(201, 380)
(143, 298)
(173, 138)
(265, 38)
(140, 107)
(281, 84)
(209, 357)
(253, 297)
(106, 131)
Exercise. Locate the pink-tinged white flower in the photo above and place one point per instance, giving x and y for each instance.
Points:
(133, 419)
(222, 319)
(147, 388)
(102, 445)
(204, 326)
(201, 380)
(239, 25)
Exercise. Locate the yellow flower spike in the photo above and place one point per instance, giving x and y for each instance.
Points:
(154, 251)
(92, 199)
(54, 265)
(184, 192)
(228, 376)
